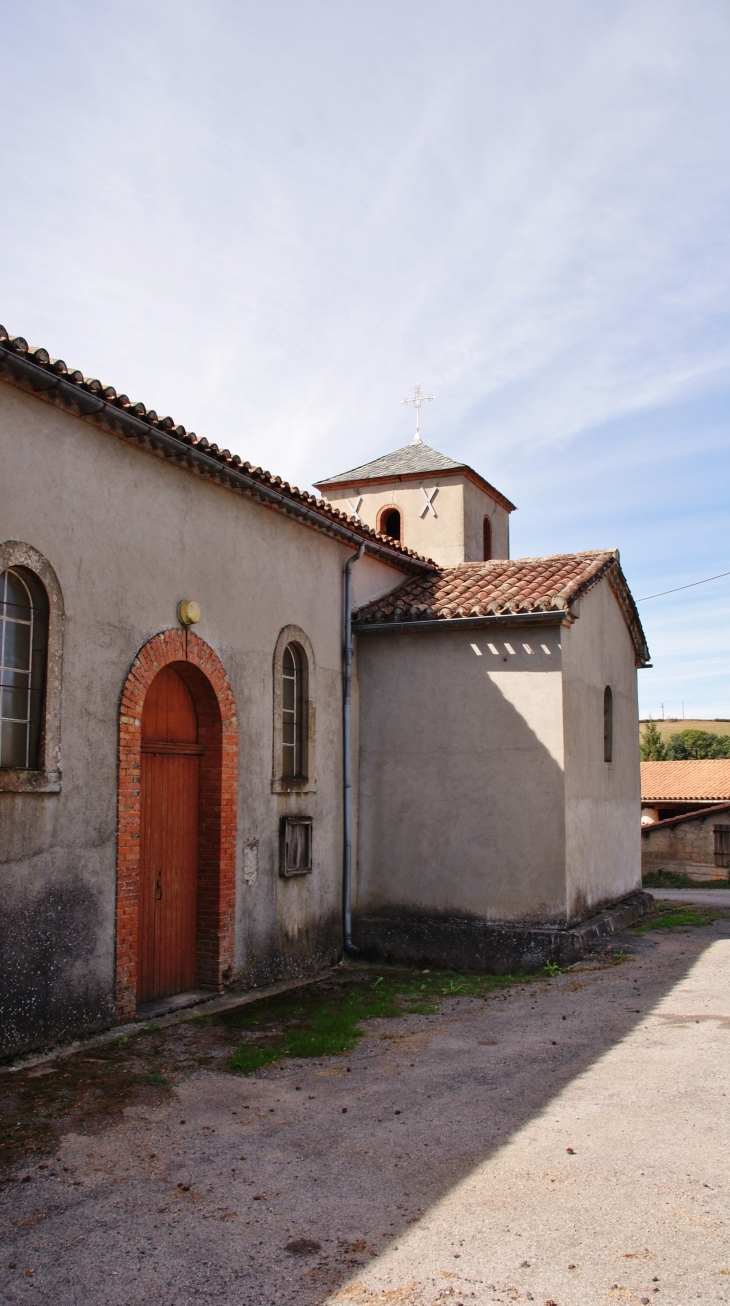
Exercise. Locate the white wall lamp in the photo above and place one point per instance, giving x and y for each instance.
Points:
(188, 612)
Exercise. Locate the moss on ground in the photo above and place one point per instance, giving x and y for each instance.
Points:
(87, 1089)
(680, 916)
(672, 880)
(322, 1024)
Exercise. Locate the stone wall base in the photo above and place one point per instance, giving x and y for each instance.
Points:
(468, 945)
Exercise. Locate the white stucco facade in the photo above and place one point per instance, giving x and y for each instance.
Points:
(484, 790)
(128, 536)
(450, 531)
(479, 786)
(602, 800)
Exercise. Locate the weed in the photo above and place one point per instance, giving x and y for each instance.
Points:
(673, 880)
(680, 916)
(154, 1077)
(329, 1022)
(551, 968)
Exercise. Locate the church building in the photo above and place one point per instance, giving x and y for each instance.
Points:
(245, 729)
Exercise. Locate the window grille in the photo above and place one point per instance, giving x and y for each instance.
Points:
(296, 845)
(293, 702)
(722, 845)
(607, 724)
(23, 648)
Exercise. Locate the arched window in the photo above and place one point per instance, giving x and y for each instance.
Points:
(294, 715)
(487, 550)
(607, 724)
(23, 654)
(390, 523)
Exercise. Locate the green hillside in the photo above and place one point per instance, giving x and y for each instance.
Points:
(667, 728)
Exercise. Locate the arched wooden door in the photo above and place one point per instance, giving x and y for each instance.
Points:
(169, 795)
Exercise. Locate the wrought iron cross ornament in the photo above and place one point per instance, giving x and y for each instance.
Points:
(417, 400)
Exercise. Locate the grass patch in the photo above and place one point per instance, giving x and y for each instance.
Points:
(672, 880)
(154, 1077)
(680, 916)
(88, 1089)
(327, 1019)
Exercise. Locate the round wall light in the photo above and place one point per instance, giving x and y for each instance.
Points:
(189, 612)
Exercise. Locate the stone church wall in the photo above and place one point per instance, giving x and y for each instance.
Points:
(129, 536)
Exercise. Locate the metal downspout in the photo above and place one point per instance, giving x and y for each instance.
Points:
(347, 650)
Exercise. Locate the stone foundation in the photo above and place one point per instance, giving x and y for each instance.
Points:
(474, 946)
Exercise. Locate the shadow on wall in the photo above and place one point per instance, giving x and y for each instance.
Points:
(462, 809)
(51, 991)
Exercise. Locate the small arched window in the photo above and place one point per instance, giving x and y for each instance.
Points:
(293, 701)
(390, 523)
(487, 540)
(295, 732)
(23, 656)
(607, 724)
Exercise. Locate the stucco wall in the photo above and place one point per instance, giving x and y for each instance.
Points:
(603, 800)
(684, 849)
(129, 536)
(477, 506)
(454, 535)
(461, 780)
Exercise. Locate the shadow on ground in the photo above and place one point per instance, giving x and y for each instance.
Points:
(171, 1175)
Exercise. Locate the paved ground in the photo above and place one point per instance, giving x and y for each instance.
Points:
(563, 1142)
(708, 897)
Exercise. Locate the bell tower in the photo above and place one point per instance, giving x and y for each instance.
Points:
(441, 508)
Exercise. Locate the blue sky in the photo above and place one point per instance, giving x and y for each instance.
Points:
(270, 219)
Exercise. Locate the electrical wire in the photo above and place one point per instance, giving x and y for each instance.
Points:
(683, 587)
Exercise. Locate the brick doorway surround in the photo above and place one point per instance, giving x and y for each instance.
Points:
(203, 672)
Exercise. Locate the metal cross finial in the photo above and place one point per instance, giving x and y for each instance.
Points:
(417, 400)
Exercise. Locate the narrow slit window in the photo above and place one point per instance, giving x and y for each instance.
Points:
(487, 540)
(607, 724)
(23, 653)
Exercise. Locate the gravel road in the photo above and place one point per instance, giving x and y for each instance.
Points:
(560, 1142)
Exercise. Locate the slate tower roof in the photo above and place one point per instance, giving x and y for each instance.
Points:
(411, 462)
(412, 459)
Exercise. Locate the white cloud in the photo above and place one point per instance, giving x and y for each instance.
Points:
(270, 220)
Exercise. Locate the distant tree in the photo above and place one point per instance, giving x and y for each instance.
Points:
(652, 747)
(697, 744)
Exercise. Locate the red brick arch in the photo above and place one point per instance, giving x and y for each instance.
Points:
(205, 676)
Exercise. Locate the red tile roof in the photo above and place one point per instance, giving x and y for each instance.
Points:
(33, 370)
(692, 781)
(507, 587)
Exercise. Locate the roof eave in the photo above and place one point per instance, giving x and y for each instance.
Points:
(551, 618)
(31, 377)
(430, 474)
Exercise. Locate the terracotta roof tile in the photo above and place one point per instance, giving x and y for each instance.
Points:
(53, 370)
(691, 781)
(507, 587)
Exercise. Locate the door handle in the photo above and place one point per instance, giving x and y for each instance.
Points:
(158, 887)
